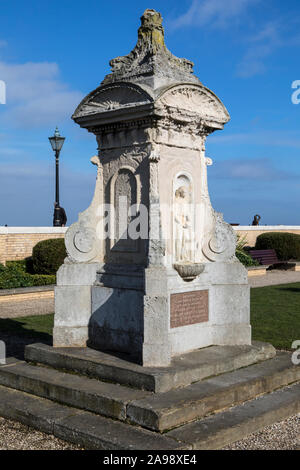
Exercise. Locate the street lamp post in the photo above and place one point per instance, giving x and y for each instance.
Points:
(56, 143)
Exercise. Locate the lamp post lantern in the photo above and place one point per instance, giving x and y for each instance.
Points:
(56, 142)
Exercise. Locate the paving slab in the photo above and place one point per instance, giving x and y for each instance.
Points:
(26, 308)
(184, 370)
(274, 277)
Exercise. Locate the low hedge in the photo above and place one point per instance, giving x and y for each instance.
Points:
(48, 256)
(43, 279)
(19, 264)
(37, 270)
(286, 245)
(13, 275)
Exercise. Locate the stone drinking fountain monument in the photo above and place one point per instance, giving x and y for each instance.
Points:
(152, 342)
(176, 285)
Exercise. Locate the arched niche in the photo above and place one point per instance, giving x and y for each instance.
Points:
(125, 192)
(183, 219)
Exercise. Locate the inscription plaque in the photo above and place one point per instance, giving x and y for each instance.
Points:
(188, 308)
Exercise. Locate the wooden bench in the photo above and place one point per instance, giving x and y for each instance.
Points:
(264, 257)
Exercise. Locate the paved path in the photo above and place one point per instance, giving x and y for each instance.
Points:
(275, 277)
(26, 308)
(44, 306)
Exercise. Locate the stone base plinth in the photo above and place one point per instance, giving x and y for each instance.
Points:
(183, 370)
(151, 314)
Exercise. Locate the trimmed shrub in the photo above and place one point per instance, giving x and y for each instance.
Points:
(286, 245)
(13, 277)
(29, 265)
(43, 279)
(48, 256)
(246, 259)
(19, 264)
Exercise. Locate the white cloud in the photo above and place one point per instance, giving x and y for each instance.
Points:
(269, 138)
(28, 192)
(258, 169)
(215, 13)
(262, 45)
(272, 36)
(259, 47)
(36, 96)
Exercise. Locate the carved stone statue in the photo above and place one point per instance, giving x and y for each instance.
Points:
(183, 226)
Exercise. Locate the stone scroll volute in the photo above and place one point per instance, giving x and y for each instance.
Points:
(83, 240)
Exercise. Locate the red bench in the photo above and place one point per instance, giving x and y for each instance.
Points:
(264, 257)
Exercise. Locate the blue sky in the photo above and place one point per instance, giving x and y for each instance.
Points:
(52, 53)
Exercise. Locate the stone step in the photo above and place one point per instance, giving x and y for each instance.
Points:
(96, 432)
(217, 431)
(80, 427)
(168, 410)
(70, 389)
(184, 370)
(158, 412)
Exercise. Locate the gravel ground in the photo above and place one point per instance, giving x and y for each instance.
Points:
(17, 436)
(279, 436)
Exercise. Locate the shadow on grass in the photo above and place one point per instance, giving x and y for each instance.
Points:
(17, 334)
(290, 289)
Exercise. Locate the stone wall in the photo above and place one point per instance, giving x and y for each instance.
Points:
(252, 233)
(18, 242)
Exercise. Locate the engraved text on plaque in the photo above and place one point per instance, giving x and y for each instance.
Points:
(188, 308)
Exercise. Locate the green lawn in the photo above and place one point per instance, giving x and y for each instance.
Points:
(275, 314)
(39, 326)
(275, 318)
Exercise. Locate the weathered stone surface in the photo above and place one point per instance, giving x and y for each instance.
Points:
(81, 427)
(165, 411)
(150, 62)
(90, 394)
(184, 370)
(31, 410)
(95, 432)
(221, 429)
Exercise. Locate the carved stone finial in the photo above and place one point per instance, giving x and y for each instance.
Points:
(151, 32)
(150, 57)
